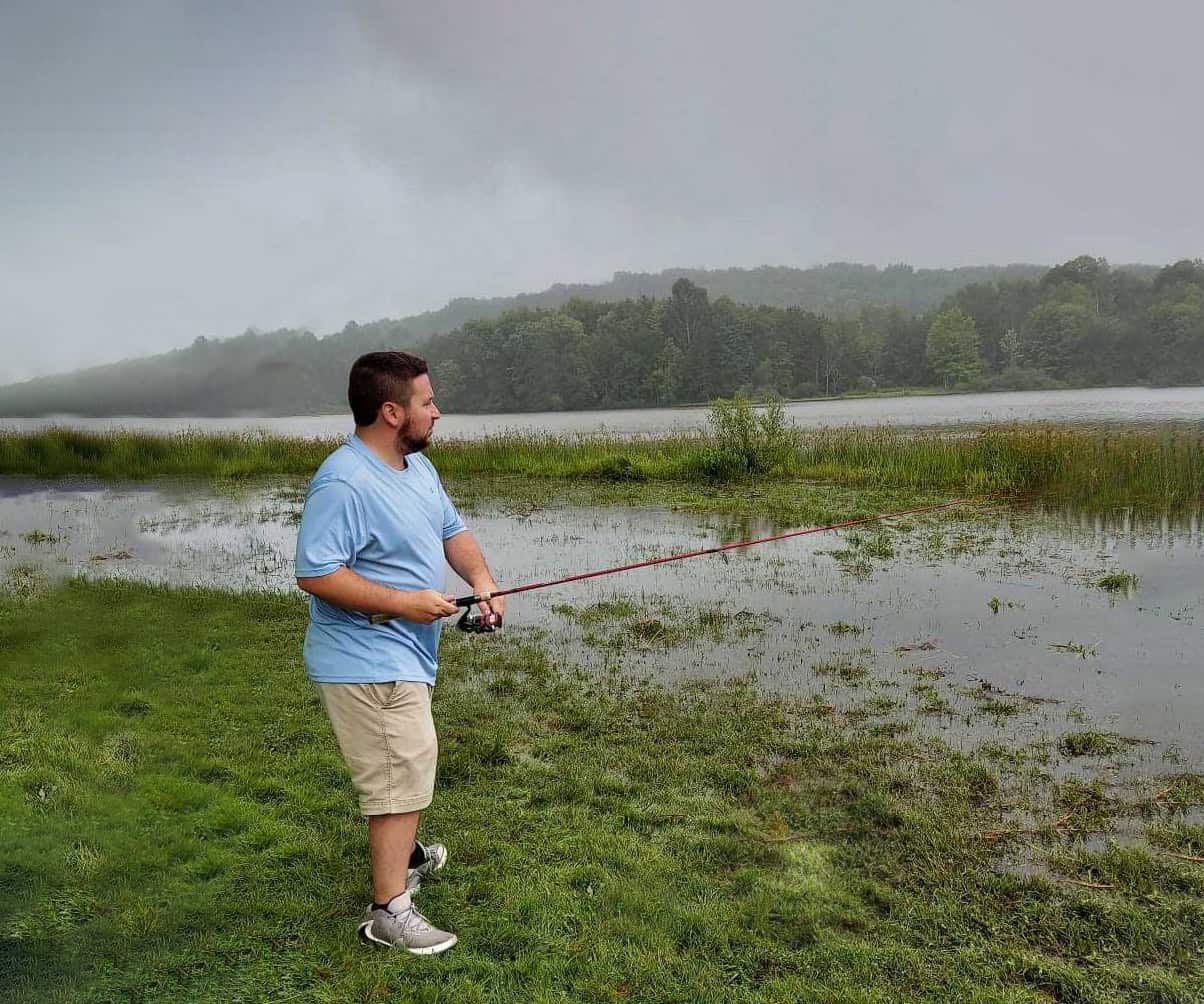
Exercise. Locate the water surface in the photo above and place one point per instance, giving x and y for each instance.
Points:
(949, 614)
(1113, 404)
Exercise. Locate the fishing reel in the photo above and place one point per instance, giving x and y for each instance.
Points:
(474, 623)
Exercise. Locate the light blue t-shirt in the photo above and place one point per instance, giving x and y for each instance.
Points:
(389, 526)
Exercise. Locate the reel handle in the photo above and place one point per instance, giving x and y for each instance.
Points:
(475, 623)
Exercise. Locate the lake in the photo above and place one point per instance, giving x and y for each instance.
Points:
(1113, 404)
(953, 613)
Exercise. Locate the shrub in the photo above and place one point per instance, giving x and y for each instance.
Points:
(746, 441)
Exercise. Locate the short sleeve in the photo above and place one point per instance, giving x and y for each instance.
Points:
(332, 532)
(452, 523)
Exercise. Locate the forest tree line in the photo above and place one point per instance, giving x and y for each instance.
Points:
(1082, 323)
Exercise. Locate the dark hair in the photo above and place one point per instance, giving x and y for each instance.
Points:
(378, 377)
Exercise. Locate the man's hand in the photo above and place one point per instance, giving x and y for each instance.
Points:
(492, 610)
(425, 606)
(464, 555)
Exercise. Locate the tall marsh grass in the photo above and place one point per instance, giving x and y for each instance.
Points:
(138, 456)
(1107, 464)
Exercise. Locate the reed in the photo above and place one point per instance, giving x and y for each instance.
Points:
(139, 456)
(1093, 464)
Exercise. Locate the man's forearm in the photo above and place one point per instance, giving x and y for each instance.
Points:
(464, 555)
(345, 588)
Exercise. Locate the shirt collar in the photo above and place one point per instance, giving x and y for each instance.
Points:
(360, 447)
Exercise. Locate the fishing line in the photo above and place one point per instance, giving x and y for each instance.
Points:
(476, 624)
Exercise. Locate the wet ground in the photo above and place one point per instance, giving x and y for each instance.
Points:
(977, 623)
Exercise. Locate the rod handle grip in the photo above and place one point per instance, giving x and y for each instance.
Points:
(460, 601)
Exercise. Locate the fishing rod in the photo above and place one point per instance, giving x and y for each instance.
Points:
(477, 625)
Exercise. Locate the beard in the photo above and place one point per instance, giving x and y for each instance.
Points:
(409, 442)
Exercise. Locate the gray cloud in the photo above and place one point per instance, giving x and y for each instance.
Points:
(175, 170)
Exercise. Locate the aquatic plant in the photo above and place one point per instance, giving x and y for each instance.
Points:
(844, 627)
(1117, 582)
(1090, 743)
(1074, 648)
(36, 537)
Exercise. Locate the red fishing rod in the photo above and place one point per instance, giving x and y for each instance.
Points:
(476, 624)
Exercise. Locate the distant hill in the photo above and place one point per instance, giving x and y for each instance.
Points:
(836, 289)
(296, 372)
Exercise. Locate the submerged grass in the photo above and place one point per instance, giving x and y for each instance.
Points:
(1107, 464)
(1117, 582)
(178, 825)
(616, 624)
(1091, 743)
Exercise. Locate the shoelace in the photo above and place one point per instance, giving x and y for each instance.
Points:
(429, 864)
(412, 920)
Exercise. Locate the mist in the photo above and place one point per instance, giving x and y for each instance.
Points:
(171, 171)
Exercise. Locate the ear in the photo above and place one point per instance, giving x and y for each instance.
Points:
(392, 414)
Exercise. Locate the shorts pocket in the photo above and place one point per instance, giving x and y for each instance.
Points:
(380, 694)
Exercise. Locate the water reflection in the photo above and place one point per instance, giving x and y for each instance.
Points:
(1153, 527)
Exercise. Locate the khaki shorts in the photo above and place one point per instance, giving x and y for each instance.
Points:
(387, 737)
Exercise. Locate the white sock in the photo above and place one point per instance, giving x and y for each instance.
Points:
(399, 903)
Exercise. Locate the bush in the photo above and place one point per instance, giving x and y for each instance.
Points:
(748, 442)
(716, 463)
(1020, 378)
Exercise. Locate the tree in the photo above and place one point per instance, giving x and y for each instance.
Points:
(548, 366)
(688, 312)
(1084, 280)
(1053, 333)
(952, 348)
(834, 370)
(689, 322)
(985, 303)
(667, 375)
(1187, 270)
(904, 361)
(1010, 356)
(1083, 270)
(803, 332)
(624, 345)
(733, 344)
(1176, 336)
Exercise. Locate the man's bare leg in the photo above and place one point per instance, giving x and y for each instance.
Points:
(390, 843)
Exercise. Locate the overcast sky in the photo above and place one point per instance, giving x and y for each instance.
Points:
(169, 170)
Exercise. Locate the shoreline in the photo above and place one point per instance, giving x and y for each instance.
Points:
(886, 394)
(751, 453)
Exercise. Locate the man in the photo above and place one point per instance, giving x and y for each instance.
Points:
(374, 538)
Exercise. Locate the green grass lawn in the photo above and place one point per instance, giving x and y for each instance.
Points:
(176, 825)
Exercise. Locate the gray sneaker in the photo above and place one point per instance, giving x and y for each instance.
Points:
(406, 929)
(436, 858)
